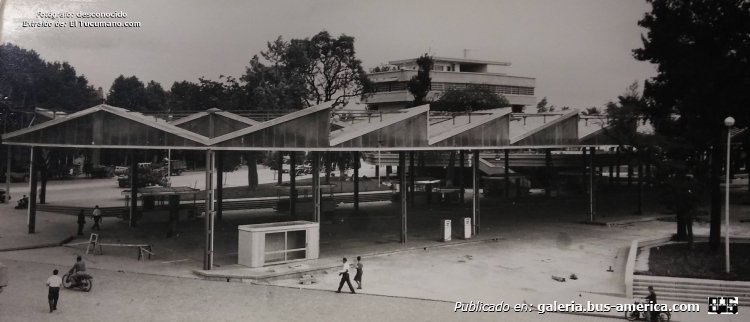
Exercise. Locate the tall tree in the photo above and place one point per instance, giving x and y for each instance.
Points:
(327, 66)
(128, 93)
(184, 96)
(701, 50)
(419, 85)
(273, 87)
(156, 97)
(28, 81)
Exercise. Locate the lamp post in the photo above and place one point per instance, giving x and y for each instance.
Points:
(729, 122)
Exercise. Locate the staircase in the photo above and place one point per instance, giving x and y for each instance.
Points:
(690, 290)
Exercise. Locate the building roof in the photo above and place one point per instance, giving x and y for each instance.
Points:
(214, 122)
(318, 128)
(452, 60)
(106, 126)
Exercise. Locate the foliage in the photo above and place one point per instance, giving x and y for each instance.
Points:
(541, 106)
(156, 97)
(679, 170)
(419, 85)
(383, 68)
(128, 93)
(315, 70)
(29, 81)
(473, 98)
(701, 50)
(184, 96)
(226, 94)
(273, 87)
(591, 111)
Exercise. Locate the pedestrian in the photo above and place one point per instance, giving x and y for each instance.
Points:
(81, 222)
(654, 315)
(344, 273)
(358, 276)
(53, 283)
(97, 215)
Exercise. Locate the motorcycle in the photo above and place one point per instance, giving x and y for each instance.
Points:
(23, 203)
(645, 316)
(85, 282)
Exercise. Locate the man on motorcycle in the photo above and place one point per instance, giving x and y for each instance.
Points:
(78, 269)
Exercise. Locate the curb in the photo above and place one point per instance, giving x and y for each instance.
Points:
(37, 246)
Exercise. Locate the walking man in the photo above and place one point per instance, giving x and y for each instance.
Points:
(53, 283)
(654, 315)
(344, 273)
(81, 222)
(358, 276)
(97, 214)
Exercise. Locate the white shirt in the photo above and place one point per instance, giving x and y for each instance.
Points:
(97, 212)
(344, 268)
(54, 281)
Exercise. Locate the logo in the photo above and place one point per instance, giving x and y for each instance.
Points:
(723, 305)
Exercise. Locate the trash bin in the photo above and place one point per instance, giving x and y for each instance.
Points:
(467, 228)
(445, 230)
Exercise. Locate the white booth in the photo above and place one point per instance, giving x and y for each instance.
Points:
(275, 243)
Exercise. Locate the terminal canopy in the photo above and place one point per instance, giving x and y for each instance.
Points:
(319, 128)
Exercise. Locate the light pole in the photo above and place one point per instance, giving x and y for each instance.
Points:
(729, 122)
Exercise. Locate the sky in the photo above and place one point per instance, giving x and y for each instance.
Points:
(579, 51)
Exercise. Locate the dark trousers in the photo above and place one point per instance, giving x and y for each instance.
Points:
(97, 220)
(80, 229)
(345, 278)
(52, 297)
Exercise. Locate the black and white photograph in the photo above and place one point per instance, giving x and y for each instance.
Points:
(354, 160)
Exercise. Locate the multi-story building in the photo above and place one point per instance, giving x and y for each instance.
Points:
(390, 91)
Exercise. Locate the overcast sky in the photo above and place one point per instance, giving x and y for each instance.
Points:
(579, 51)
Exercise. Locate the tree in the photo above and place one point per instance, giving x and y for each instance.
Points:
(273, 87)
(700, 48)
(419, 85)
(28, 81)
(471, 98)
(591, 111)
(184, 96)
(156, 97)
(541, 106)
(327, 68)
(128, 93)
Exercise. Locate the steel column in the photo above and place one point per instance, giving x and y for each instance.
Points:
(402, 188)
(475, 179)
(411, 189)
(208, 254)
(506, 173)
(592, 199)
(219, 155)
(133, 188)
(316, 185)
(355, 180)
(461, 163)
(293, 184)
(32, 190)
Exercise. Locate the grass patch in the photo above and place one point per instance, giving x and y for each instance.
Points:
(678, 260)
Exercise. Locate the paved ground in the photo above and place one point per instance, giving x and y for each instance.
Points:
(537, 238)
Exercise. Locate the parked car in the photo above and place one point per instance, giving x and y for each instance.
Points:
(19, 175)
(119, 171)
(177, 167)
